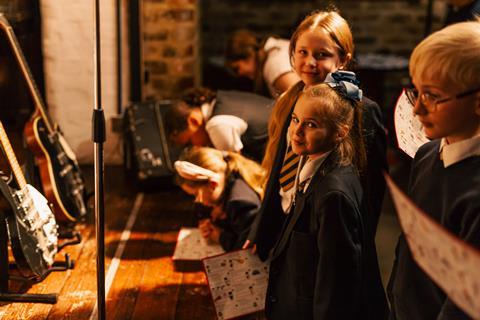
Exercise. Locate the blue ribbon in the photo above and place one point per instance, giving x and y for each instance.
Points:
(347, 82)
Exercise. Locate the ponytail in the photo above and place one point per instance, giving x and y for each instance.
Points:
(281, 111)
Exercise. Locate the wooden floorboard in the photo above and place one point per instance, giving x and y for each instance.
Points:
(146, 284)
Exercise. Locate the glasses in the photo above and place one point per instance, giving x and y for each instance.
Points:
(431, 101)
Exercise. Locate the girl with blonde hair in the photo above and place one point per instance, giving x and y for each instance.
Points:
(229, 183)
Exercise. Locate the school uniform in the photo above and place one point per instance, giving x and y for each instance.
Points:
(238, 121)
(324, 264)
(241, 204)
(269, 221)
(445, 184)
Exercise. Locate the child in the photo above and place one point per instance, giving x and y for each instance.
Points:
(445, 175)
(324, 264)
(227, 120)
(265, 62)
(321, 44)
(227, 182)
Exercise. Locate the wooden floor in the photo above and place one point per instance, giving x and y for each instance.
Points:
(141, 282)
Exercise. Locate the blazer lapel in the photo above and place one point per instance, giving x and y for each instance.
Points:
(326, 167)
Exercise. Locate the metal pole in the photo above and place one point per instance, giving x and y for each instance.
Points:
(98, 132)
(119, 57)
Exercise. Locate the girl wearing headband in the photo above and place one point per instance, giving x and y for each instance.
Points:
(229, 183)
(323, 265)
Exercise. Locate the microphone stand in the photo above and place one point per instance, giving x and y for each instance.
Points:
(99, 137)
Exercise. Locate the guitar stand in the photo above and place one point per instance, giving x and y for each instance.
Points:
(5, 294)
(75, 237)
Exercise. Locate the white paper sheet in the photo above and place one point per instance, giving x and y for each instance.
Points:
(450, 262)
(408, 129)
(192, 246)
(238, 283)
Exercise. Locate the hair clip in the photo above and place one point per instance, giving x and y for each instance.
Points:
(190, 171)
(346, 83)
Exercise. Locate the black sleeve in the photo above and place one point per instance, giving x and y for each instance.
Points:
(240, 216)
(339, 271)
(373, 183)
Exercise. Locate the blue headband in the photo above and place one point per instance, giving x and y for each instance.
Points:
(346, 83)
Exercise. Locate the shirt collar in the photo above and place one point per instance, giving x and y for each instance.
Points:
(309, 169)
(458, 151)
(207, 109)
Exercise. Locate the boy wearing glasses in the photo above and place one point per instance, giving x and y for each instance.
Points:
(445, 176)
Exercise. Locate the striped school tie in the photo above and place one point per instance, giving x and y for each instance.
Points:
(289, 170)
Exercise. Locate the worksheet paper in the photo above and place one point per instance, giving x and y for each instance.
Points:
(192, 246)
(238, 283)
(409, 130)
(450, 262)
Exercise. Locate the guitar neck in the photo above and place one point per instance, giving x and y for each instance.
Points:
(12, 159)
(27, 73)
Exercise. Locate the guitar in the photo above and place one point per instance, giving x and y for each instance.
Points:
(61, 178)
(31, 224)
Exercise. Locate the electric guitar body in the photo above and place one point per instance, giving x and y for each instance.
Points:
(31, 223)
(62, 181)
(32, 230)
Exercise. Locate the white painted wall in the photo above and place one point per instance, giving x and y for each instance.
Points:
(68, 44)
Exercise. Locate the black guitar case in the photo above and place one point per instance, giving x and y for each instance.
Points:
(148, 155)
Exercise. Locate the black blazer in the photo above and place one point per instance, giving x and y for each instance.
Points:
(241, 204)
(324, 264)
(268, 223)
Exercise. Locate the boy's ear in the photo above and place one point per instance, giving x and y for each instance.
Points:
(195, 119)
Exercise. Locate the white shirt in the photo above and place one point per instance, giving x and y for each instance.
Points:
(305, 171)
(224, 131)
(277, 62)
(458, 151)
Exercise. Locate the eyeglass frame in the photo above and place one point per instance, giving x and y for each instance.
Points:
(413, 96)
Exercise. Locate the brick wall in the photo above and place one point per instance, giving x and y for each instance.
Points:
(169, 47)
(389, 26)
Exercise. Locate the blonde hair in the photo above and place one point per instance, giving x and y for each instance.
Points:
(224, 162)
(438, 56)
(338, 112)
(338, 29)
(335, 25)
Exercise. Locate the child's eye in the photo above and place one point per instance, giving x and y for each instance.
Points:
(310, 124)
(302, 52)
(295, 120)
(320, 55)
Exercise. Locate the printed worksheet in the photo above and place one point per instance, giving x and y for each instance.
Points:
(410, 135)
(192, 246)
(238, 283)
(449, 261)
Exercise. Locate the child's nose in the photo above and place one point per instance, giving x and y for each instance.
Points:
(298, 129)
(312, 62)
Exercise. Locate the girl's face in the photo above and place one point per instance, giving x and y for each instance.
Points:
(245, 67)
(457, 119)
(316, 55)
(209, 194)
(308, 131)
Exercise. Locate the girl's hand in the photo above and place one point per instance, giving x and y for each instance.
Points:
(249, 244)
(217, 213)
(205, 228)
(209, 231)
